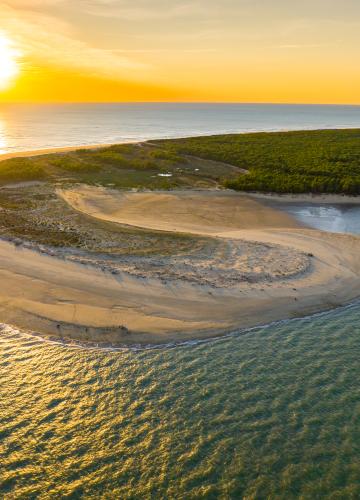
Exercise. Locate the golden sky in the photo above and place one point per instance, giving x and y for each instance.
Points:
(165, 50)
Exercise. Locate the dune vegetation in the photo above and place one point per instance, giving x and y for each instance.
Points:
(123, 166)
(324, 161)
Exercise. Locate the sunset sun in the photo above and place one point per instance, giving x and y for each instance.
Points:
(9, 66)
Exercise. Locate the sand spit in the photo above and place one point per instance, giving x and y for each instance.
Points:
(265, 268)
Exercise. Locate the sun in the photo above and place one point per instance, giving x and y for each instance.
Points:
(9, 64)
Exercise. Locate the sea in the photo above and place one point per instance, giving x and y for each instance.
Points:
(33, 127)
(267, 413)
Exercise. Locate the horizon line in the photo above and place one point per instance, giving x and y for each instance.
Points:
(244, 103)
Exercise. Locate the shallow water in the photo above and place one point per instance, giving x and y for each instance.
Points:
(272, 413)
(335, 218)
(30, 127)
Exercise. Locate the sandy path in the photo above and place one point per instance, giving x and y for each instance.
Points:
(58, 297)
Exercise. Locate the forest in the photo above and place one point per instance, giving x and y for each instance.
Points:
(321, 161)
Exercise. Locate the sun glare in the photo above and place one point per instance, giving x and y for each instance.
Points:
(9, 65)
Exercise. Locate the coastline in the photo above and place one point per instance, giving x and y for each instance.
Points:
(74, 343)
(63, 299)
(65, 149)
(137, 305)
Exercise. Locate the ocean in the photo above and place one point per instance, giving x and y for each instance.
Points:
(32, 127)
(273, 412)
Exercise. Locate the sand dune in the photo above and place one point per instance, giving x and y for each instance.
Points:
(199, 212)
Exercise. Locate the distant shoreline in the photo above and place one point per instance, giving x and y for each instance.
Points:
(65, 149)
(325, 198)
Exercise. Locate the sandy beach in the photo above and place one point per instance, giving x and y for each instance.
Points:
(265, 268)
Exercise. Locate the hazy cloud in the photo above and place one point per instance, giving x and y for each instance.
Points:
(50, 39)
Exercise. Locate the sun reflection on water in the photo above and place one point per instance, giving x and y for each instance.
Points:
(3, 142)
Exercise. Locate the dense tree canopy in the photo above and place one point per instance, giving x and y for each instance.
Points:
(324, 161)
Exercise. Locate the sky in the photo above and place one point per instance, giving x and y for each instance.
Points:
(293, 51)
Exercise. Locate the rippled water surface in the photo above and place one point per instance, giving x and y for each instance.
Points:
(273, 413)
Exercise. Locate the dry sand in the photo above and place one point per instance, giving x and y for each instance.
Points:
(61, 298)
(198, 212)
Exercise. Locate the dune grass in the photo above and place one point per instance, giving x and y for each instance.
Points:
(21, 169)
(36, 214)
(122, 166)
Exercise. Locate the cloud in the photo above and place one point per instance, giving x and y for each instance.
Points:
(47, 39)
(142, 10)
(302, 46)
(31, 4)
(124, 9)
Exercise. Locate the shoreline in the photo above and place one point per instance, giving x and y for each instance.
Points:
(324, 198)
(61, 149)
(264, 267)
(71, 342)
(89, 305)
(253, 307)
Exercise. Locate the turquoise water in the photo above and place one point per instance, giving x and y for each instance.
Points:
(274, 413)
